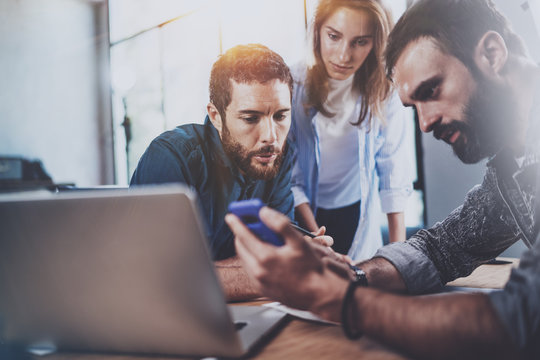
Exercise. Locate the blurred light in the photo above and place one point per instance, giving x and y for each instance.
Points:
(534, 6)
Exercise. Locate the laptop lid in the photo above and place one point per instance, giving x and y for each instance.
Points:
(113, 271)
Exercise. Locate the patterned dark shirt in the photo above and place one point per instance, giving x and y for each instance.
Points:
(497, 213)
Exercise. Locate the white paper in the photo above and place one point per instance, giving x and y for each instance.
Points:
(302, 314)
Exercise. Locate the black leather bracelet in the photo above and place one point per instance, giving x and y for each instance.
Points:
(350, 304)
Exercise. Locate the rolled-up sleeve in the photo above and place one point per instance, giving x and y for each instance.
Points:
(518, 304)
(298, 187)
(416, 269)
(394, 163)
(475, 232)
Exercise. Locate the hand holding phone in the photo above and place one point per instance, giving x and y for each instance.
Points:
(248, 212)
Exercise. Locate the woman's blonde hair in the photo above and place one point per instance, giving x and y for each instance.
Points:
(370, 79)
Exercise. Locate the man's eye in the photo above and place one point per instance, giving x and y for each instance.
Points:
(251, 119)
(280, 117)
(430, 92)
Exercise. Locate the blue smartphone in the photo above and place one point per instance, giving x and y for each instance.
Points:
(248, 212)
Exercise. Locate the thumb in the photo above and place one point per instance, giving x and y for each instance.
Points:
(320, 232)
(281, 225)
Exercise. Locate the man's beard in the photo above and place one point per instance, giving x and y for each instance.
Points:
(487, 123)
(242, 158)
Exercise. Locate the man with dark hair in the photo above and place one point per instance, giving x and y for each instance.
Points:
(456, 31)
(469, 78)
(239, 153)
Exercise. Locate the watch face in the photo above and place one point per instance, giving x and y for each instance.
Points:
(359, 275)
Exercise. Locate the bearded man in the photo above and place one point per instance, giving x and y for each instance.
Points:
(472, 83)
(239, 153)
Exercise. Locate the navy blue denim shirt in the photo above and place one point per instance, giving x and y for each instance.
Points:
(192, 154)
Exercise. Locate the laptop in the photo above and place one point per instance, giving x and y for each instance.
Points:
(124, 271)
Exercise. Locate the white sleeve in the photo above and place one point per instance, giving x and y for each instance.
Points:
(395, 159)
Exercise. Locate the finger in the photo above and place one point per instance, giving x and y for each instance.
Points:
(321, 240)
(281, 225)
(325, 240)
(309, 238)
(251, 243)
(322, 250)
(321, 231)
(344, 258)
(338, 267)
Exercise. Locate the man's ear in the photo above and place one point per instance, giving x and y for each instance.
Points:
(491, 54)
(215, 117)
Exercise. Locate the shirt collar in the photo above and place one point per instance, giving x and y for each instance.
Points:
(215, 144)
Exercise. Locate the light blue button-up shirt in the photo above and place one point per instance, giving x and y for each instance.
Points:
(386, 169)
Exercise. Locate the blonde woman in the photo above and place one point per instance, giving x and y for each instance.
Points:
(349, 130)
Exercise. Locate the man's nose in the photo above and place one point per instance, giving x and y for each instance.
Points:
(427, 117)
(268, 130)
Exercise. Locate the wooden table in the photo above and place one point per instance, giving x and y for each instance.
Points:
(300, 339)
(488, 276)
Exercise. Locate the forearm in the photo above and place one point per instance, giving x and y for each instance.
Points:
(382, 274)
(396, 226)
(305, 218)
(456, 326)
(235, 281)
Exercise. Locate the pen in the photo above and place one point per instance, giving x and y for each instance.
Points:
(498, 262)
(302, 230)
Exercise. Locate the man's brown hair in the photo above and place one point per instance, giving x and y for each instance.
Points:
(245, 64)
